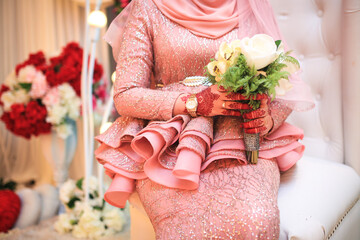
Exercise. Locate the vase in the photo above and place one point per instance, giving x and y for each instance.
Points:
(59, 152)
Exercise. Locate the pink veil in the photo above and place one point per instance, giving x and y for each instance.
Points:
(298, 98)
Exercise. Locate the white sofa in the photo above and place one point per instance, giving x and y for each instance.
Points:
(319, 197)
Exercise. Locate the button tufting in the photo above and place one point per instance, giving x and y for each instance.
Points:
(320, 13)
(318, 97)
(301, 57)
(331, 56)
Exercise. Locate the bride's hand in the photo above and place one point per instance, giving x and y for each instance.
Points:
(216, 100)
(259, 121)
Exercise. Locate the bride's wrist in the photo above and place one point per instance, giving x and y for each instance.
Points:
(180, 104)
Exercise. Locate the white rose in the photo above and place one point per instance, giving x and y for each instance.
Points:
(113, 217)
(8, 99)
(63, 224)
(11, 81)
(259, 51)
(67, 191)
(64, 130)
(27, 74)
(22, 96)
(56, 113)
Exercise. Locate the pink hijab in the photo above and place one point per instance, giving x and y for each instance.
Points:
(205, 18)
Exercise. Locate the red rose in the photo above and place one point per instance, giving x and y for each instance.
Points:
(2, 90)
(35, 59)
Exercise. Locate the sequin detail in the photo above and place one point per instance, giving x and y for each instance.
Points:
(232, 202)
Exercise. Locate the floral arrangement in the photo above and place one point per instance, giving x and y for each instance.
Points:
(40, 95)
(92, 220)
(251, 66)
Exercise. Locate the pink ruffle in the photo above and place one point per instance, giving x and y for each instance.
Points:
(174, 152)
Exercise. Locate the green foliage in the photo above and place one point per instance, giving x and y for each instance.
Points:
(277, 43)
(71, 203)
(243, 79)
(8, 185)
(79, 183)
(26, 86)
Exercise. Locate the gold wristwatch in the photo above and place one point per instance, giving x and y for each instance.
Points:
(191, 105)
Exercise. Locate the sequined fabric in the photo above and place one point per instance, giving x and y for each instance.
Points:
(191, 173)
(233, 201)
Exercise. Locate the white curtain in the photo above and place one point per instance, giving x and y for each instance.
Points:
(28, 26)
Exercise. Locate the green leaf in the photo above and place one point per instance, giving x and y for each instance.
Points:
(79, 183)
(98, 208)
(8, 185)
(277, 42)
(74, 221)
(71, 203)
(26, 86)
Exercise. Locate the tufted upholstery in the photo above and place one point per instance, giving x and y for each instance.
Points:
(318, 199)
(325, 36)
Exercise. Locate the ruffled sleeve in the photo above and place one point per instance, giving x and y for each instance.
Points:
(133, 96)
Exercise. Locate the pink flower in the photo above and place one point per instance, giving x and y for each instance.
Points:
(52, 97)
(101, 92)
(39, 85)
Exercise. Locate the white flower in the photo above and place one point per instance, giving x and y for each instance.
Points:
(11, 80)
(63, 224)
(90, 222)
(8, 99)
(56, 114)
(93, 184)
(64, 130)
(260, 50)
(113, 217)
(284, 86)
(74, 108)
(66, 91)
(27, 74)
(79, 232)
(78, 208)
(67, 191)
(21, 96)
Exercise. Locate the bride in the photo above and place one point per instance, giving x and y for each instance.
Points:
(181, 148)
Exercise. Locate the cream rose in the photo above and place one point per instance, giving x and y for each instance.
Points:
(260, 50)
(11, 81)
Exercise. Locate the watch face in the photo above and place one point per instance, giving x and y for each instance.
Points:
(191, 104)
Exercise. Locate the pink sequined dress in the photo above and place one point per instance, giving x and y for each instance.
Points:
(190, 173)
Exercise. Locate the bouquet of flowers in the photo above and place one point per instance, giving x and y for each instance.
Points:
(92, 220)
(251, 66)
(40, 95)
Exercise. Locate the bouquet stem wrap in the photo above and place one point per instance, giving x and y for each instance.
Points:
(252, 146)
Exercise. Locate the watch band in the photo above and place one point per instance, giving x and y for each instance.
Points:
(191, 105)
